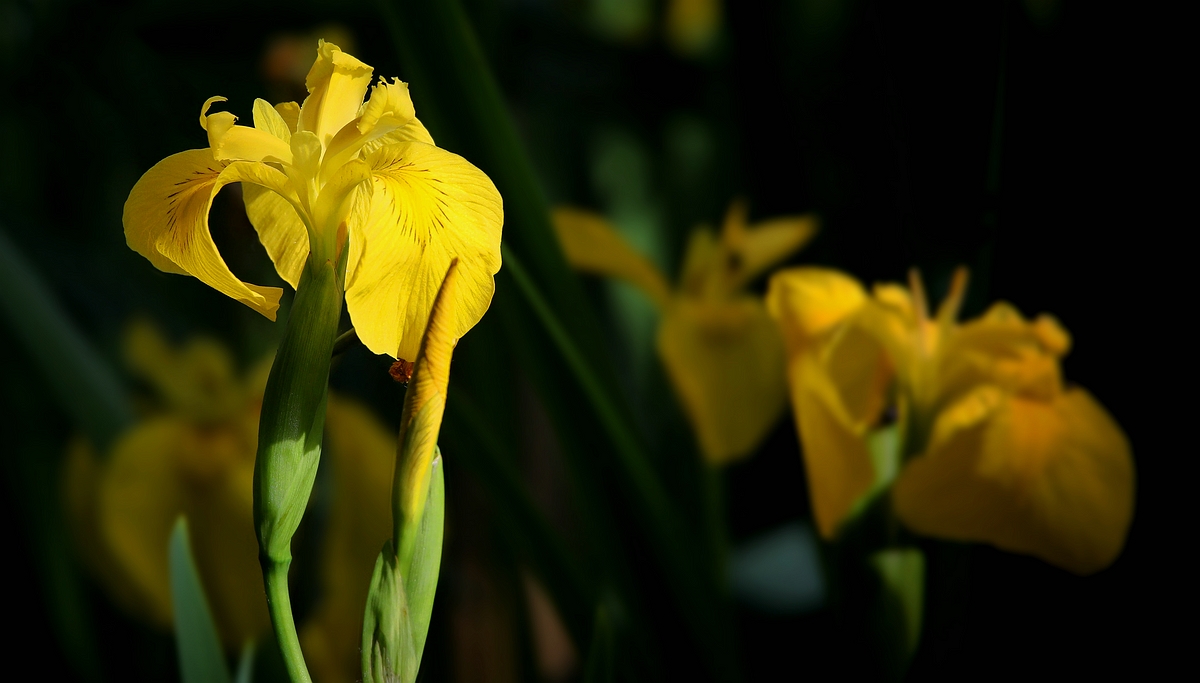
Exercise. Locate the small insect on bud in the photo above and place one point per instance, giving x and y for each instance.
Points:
(401, 371)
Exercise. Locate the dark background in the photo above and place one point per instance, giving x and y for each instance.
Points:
(1013, 137)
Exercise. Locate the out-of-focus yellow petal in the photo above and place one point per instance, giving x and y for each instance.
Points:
(836, 456)
(700, 274)
(592, 245)
(726, 362)
(336, 86)
(429, 206)
(1052, 479)
(166, 220)
(81, 482)
(165, 467)
(196, 380)
(692, 25)
(750, 251)
(140, 494)
(808, 302)
(858, 366)
(362, 452)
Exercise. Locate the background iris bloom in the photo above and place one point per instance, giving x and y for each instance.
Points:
(722, 351)
(334, 173)
(994, 447)
(194, 456)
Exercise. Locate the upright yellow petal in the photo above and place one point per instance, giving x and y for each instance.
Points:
(726, 362)
(592, 245)
(230, 142)
(808, 302)
(751, 250)
(166, 220)
(1052, 479)
(836, 457)
(431, 371)
(336, 86)
(362, 453)
(429, 207)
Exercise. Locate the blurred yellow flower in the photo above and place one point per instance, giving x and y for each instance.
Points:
(196, 457)
(995, 448)
(692, 26)
(723, 353)
(332, 174)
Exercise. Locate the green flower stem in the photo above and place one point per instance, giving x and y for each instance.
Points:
(289, 438)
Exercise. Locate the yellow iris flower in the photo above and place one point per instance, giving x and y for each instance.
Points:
(332, 174)
(993, 446)
(723, 353)
(196, 458)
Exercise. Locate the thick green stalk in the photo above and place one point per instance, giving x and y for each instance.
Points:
(289, 438)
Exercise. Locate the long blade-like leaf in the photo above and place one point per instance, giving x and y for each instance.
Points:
(200, 657)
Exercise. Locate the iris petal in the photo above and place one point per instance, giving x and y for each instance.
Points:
(1052, 479)
(166, 220)
(726, 361)
(592, 245)
(428, 207)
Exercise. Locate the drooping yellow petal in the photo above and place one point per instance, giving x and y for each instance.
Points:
(592, 245)
(808, 302)
(726, 362)
(166, 220)
(836, 456)
(336, 86)
(362, 453)
(1052, 479)
(428, 207)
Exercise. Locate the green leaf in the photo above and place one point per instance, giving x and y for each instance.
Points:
(601, 657)
(82, 381)
(901, 572)
(200, 657)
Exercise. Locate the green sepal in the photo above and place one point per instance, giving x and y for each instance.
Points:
(400, 600)
(201, 659)
(292, 421)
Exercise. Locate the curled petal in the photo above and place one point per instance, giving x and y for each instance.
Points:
(1053, 479)
(808, 302)
(726, 362)
(428, 207)
(592, 245)
(166, 220)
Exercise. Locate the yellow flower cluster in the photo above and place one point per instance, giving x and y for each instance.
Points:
(193, 454)
(969, 424)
